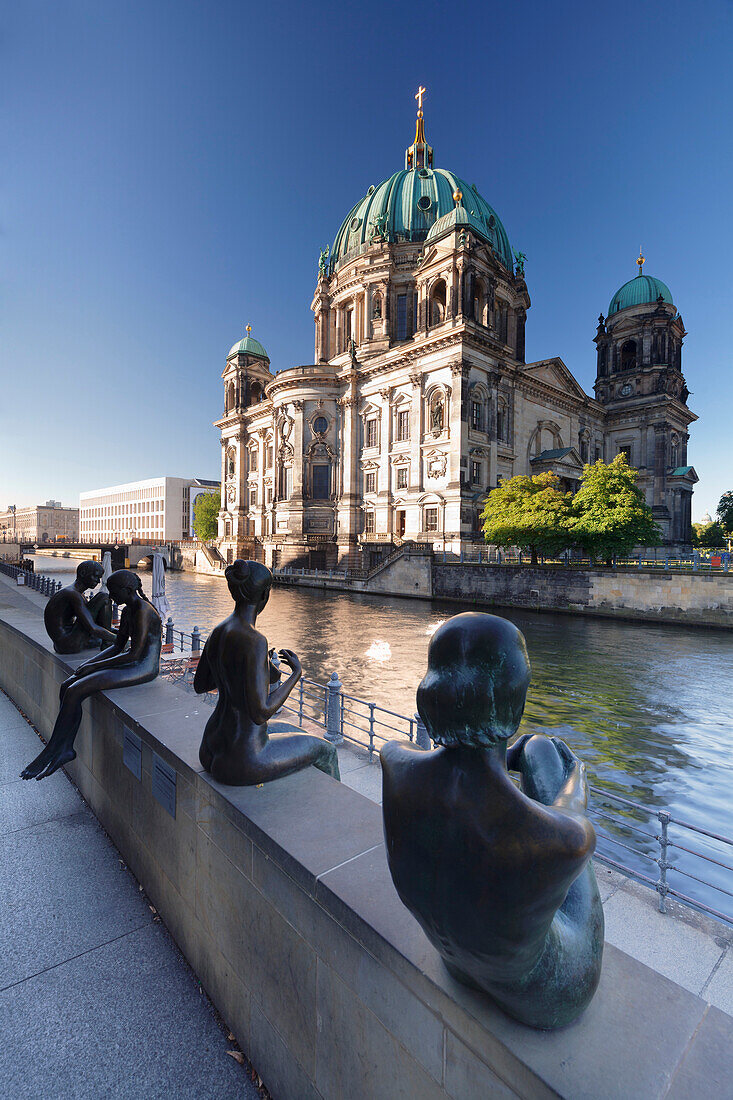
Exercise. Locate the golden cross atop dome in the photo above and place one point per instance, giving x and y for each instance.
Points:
(641, 261)
(420, 93)
(248, 327)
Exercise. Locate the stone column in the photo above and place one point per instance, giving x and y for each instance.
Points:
(492, 379)
(385, 441)
(455, 428)
(416, 432)
(296, 496)
(349, 511)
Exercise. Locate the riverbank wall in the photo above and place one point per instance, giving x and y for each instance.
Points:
(639, 595)
(298, 935)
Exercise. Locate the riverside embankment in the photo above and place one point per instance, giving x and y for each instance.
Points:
(300, 939)
(640, 595)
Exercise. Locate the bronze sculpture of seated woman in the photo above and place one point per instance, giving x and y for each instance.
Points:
(499, 876)
(115, 667)
(238, 748)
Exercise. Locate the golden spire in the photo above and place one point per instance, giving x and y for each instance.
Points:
(248, 328)
(641, 261)
(419, 155)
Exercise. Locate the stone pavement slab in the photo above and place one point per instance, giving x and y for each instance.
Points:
(126, 1019)
(95, 998)
(719, 990)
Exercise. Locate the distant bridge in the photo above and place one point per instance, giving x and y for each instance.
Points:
(125, 555)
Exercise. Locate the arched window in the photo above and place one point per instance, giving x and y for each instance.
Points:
(628, 355)
(229, 402)
(437, 302)
(255, 392)
(501, 423)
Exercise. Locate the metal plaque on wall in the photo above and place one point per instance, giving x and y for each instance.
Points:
(132, 753)
(164, 784)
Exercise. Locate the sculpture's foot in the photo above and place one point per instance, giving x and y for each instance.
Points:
(48, 761)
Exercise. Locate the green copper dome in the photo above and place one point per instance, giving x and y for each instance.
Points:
(407, 206)
(249, 346)
(642, 290)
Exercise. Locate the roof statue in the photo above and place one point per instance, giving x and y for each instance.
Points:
(520, 257)
(323, 260)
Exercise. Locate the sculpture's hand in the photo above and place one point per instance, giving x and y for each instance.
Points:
(290, 658)
(514, 753)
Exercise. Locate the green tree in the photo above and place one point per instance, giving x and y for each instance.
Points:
(609, 513)
(709, 535)
(725, 510)
(205, 516)
(530, 512)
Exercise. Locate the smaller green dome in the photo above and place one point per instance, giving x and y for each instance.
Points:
(249, 346)
(643, 290)
(459, 218)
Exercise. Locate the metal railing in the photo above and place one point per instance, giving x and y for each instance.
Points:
(674, 857)
(181, 640)
(717, 562)
(39, 582)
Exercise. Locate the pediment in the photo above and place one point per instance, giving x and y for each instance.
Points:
(553, 372)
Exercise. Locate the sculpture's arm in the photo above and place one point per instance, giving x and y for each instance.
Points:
(262, 702)
(82, 614)
(203, 679)
(101, 660)
(573, 794)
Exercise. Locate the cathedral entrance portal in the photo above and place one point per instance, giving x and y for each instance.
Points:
(400, 523)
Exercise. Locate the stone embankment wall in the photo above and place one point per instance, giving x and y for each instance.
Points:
(691, 598)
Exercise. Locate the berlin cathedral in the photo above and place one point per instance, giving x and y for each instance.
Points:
(419, 398)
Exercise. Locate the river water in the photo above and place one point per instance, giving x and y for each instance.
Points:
(647, 707)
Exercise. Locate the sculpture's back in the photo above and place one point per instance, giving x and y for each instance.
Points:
(501, 883)
(240, 746)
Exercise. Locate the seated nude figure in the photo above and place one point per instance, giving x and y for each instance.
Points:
(238, 748)
(73, 623)
(112, 668)
(498, 876)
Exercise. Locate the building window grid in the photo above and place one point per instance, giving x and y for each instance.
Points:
(430, 520)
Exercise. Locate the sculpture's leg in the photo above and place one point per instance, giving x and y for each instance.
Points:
(60, 747)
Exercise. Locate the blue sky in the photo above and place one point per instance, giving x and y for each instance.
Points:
(175, 167)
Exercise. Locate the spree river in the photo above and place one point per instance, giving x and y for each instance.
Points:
(647, 707)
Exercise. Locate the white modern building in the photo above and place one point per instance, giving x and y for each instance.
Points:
(159, 509)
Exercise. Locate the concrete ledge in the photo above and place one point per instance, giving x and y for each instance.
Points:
(281, 900)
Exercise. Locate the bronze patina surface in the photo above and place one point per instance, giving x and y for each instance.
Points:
(239, 747)
(73, 623)
(499, 876)
(114, 667)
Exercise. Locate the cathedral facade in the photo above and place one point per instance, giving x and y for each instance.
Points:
(419, 399)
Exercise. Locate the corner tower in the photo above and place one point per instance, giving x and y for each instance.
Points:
(640, 384)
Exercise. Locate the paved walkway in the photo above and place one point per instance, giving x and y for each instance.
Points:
(95, 998)
(690, 948)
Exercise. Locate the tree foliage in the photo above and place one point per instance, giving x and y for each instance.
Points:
(205, 516)
(725, 510)
(609, 514)
(709, 535)
(530, 512)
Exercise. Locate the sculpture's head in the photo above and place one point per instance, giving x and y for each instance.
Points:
(249, 582)
(476, 684)
(89, 573)
(123, 584)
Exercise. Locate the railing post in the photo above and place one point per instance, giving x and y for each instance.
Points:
(422, 737)
(300, 701)
(195, 640)
(661, 886)
(169, 631)
(334, 710)
(371, 732)
(639, 565)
